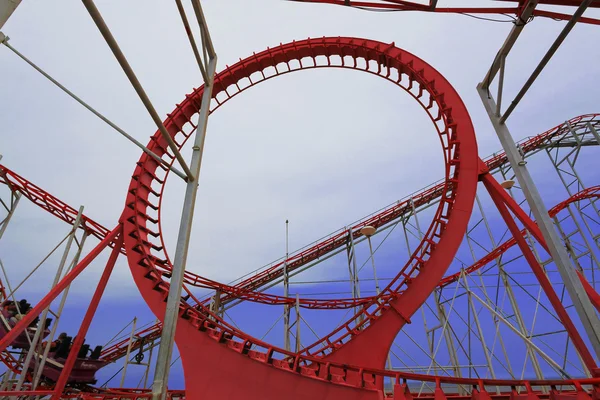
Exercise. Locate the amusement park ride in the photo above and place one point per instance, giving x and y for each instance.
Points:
(559, 248)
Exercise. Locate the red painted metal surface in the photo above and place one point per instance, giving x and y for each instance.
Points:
(87, 319)
(236, 353)
(59, 288)
(396, 5)
(589, 193)
(568, 3)
(83, 372)
(119, 349)
(243, 290)
(593, 192)
(504, 202)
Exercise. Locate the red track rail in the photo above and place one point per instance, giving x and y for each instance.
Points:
(589, 193)
(148, 260)
(50, 203)
(398, 5)
(119, 349)
(264, 363)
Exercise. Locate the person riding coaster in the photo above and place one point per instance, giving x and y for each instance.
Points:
(11, 313)
(85, 366)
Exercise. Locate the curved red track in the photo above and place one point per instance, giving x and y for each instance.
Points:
(199, 338)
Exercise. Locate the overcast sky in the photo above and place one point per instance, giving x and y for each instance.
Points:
(320, 148)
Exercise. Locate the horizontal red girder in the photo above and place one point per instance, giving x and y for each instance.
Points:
(570, 3)
(403, 6)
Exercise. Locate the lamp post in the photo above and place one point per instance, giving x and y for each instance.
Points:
(508, 184)
(369, 231)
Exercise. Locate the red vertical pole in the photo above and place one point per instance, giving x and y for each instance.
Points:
(87, 319)
(49, 298)
(542, 278)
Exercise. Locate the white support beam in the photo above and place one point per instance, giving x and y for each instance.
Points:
(167, 339)
(509, 42)
(526, 339)
(559, 254)
(538, 70)
(7, 7)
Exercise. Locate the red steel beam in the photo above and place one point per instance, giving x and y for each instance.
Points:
(50, 203)
(500, 197)
(390, 5)
(87, 320)
(569, 3)
(62, 284)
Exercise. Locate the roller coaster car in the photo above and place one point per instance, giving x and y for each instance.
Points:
(84, 369)
(21, 341)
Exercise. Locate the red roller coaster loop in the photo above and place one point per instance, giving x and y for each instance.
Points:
(416, 280)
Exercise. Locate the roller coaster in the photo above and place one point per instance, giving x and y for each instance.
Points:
(525, 264)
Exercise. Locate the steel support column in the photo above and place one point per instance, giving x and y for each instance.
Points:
(377, 289)
(87, 320)
(128, 352)
(541, 276)
(64, 282)
(447, 335)
(545, 356)
(353, 270)
(215, 305)
(112, 43)
(42, 322)
(149, 363)
(509, 292)
(50, 338)
(286, 293)
(488, 359)
(559, 254)
(7, 7)
(161, 374)
(298, 319)
(15, 197)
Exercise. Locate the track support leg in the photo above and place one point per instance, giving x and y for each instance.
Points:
(87, 320)
(53, 294)
(497, 196)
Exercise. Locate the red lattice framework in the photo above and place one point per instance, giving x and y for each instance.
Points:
(348, 363)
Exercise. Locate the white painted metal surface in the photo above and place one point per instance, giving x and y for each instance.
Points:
(7, 7)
